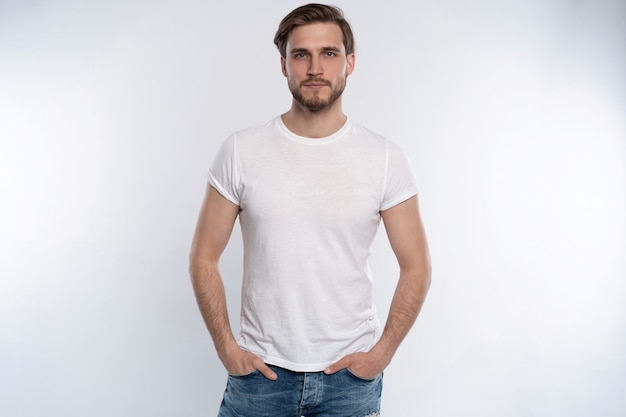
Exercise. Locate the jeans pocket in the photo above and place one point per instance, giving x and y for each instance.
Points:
(249, 374)
(360, 378)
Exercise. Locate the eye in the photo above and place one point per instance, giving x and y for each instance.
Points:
(330, 54)
(299, 55)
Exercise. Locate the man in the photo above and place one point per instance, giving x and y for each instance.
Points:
(309, 188)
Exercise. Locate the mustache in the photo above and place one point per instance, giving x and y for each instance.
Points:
(315, 80)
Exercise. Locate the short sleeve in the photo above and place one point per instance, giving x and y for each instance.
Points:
(400, 183)
(223, 174)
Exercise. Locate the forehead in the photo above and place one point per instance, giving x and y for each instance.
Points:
(315, 35)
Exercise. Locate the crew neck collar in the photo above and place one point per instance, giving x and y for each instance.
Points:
(314, 141)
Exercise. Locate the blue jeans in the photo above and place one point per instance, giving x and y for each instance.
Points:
(297, 394)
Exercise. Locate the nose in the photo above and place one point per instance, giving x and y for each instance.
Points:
(315, 66)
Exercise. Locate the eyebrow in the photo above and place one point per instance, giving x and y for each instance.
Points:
(324, 49)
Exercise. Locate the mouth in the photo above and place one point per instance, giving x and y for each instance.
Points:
(316, 85)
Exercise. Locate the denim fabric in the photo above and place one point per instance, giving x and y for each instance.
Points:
(301, 394)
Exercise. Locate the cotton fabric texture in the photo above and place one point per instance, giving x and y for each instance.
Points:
(310, 209)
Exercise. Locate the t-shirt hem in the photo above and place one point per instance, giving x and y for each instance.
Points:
(295, 367)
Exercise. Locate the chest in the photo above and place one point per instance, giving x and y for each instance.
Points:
(321, 185)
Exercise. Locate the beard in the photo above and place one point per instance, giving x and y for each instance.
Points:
(316, 103)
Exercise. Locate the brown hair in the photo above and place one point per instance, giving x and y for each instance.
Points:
(311, 13)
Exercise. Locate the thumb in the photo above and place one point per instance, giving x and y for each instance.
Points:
(337, 366)
(267, 372)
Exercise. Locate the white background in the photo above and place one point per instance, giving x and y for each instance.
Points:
(512, 112)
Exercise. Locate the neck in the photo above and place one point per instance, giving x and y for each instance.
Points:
(314, 125)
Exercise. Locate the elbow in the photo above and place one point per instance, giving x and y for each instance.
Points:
(427, 270)
(192, 262)
(427, 277)
(201, 268)
(196, 264)
(423, 274)
(418, 270)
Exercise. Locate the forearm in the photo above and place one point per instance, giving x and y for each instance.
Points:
(211, 297)
(406, 304)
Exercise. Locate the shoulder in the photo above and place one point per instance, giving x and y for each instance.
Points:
(251, 138)
(361, 131)
(374, 139)
(265, 128)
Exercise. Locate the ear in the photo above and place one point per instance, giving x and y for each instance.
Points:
(350, 61)
(283, 65)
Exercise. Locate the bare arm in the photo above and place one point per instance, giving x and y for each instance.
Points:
(213, 230)
(408, 240)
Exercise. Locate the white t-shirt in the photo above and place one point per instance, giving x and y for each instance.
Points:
(310, 209)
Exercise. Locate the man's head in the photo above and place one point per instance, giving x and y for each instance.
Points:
(317, 54)
(312, 13)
